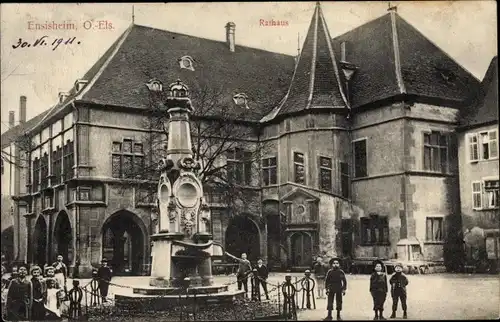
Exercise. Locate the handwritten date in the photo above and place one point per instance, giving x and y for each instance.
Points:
(44, 41)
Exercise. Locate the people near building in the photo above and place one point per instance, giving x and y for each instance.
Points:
(19, 296)
(13, 273)
(61, 271)
(378, 289)
(262, 275)
(104, 274)
(244, 269)
(320, 270)
(398, 282)
(55, 294)
(336, 287)
(39, 293)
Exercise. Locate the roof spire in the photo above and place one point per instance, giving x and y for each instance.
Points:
(133, 15)
(298, 44)
(393, 8)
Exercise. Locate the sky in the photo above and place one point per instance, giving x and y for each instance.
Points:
(466, 30)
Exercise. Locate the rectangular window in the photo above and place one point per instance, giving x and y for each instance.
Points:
(374, 230)
(57, 166)
(436, 152)
(476, 195)
(68, 160)
(325, 173)
(489, 145)
(269, 171)
(434, 229)
(360, 169)
(473, 147)
(344, 179)
(36, 175)
(299, 169)
(44, 171)
(127, 160)
(84, 194)
(239, 166)
(491, 188)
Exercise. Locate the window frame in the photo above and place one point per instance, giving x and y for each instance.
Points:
(480, 145)
(268, 168)
(439, 148)
(433, 220)
(246, 166)
(365, 173)
(122, 154)
(303, 164)
(346, 194)
(477, 192)
(374, 224)
(471, 146)
(321, 168)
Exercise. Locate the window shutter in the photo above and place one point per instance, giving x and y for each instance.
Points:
(493, 144)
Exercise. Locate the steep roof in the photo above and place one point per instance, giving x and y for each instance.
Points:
(394, 58)
(484, 108)
(318, 81)
(144, 53)
(14, 133)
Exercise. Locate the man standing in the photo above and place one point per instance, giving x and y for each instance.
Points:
(104, 273)
(61, 272)
(336, 286)
(262, 275)
(19, 297)
(244, 268)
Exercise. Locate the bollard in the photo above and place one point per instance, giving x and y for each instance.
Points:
(308, 290)
(75, 301)
(95, 291)
(289, 292)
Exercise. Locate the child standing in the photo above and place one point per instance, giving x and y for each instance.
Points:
(336, 286)
(320, 270)
(398, 283)
(378, 289)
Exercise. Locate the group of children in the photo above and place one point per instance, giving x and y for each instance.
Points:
(334, 282)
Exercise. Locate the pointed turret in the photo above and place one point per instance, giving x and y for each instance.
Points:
(318, 81)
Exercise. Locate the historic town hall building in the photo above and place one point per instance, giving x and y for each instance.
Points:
(361, 157)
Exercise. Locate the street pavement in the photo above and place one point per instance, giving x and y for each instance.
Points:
(434, 296)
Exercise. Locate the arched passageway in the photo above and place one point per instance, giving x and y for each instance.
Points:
(123, 241)
(242, 236)
(63, 237)
(40, 242)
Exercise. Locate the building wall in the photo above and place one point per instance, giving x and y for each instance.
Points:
(469, 172)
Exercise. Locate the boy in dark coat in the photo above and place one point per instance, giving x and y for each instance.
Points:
(104, 273)
(398, 283)
(262, 274)
(378, 289)
(19, 297)
(335, 286)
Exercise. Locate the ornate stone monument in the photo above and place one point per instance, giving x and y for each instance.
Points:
(183, 247)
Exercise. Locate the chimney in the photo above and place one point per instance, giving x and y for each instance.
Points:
(11, 119)
(22, 109)
(230, 28)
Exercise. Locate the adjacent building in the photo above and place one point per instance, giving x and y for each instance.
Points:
(361, 156)
(479, 170)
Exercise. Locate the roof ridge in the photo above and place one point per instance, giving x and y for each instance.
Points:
(360, 26)
(210, 39)
(397, 54)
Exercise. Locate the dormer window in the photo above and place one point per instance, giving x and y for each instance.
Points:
(186, 62)
(241, 100)
(154, 85)
(80, 83)
(63, 96)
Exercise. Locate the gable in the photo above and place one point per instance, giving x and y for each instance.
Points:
(300, 196)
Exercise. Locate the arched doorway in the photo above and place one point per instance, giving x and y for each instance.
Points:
(8, 244)
(63, 237)
(40, 242)
(301, 252)
(242, 236)
(123, 241)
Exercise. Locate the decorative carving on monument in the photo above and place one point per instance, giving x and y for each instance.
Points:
(172, 211)
(188, 190)
(189, 163)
